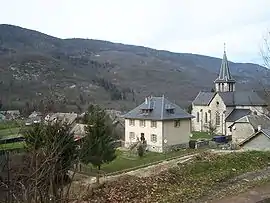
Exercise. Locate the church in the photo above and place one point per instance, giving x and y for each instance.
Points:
(220, 108)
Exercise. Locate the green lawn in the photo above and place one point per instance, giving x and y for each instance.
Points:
(10, 124)
(200, 135)
(126, 159)
(14, 145)
(9, 132)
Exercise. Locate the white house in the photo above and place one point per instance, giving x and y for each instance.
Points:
(161, 123)
(225, 105)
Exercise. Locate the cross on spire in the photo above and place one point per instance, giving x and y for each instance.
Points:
(224, 47)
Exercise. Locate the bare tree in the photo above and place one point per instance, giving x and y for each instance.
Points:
(211, 128)
(51, 153)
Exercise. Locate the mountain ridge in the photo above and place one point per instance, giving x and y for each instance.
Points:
(75, 71)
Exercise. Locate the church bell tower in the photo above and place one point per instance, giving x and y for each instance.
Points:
(224, 82)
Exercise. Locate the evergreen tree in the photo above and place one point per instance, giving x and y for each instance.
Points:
(98, 146)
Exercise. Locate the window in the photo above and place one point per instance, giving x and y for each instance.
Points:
(198, 117)
(217, 118)
(153, 124)
(132, 135)
(153, 138)
(177, 123)
(206, 119)
(142, 123)
(170, 111)
(131, 122)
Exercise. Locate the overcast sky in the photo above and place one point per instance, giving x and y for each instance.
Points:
(190, 26)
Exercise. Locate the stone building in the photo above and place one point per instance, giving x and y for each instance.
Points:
(222, 107)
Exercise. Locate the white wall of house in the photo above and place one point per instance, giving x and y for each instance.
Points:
(147, 130)
(241, 131)
(260, 142)
(177, 135)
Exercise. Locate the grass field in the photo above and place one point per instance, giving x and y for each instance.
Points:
(10, 124)
(126, 160)
(200, 135)
(14, 145)
(9, 132)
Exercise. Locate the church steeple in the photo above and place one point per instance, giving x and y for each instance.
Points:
(225, 82)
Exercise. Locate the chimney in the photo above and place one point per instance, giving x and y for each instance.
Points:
(259, 127)
(146, 100)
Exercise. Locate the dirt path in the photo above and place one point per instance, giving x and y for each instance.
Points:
(254, 195)
(244, 184)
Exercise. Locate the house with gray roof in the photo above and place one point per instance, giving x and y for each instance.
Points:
(225, 105)
(158, 122)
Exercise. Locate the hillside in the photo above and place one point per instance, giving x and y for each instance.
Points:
(38, 69)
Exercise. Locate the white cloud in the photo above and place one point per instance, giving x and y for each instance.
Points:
(177, 25)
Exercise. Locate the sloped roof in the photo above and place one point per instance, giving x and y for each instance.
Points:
(79, 129)
(224, 73)
(68, 118)
(242, 98)
(237, 98)
(158, 106)
(262, 120)
(204, 98)
(266, 132)
(237, 114)
(255, 121)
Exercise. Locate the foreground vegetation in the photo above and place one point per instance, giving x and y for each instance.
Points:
(187, 182)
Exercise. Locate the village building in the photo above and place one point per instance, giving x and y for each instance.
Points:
(158, 122)
(248, 126)
(220, 108)
(259, 141)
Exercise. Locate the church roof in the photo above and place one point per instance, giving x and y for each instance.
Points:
(242, 98)
(204, 98)
(159, 108)
(237, 98)
(224, 73)
(237, 114)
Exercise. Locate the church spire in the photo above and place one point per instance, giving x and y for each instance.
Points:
(225, 81)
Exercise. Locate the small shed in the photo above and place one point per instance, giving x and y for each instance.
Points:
(259, 141)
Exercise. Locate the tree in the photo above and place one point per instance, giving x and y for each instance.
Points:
(98, 146)
(140, 150)
(52, 151)
(211, 128)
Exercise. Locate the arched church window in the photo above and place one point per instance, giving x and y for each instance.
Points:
(217, 118)
(206, 119)
(198, 117)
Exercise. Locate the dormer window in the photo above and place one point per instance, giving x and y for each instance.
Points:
(171, 111)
